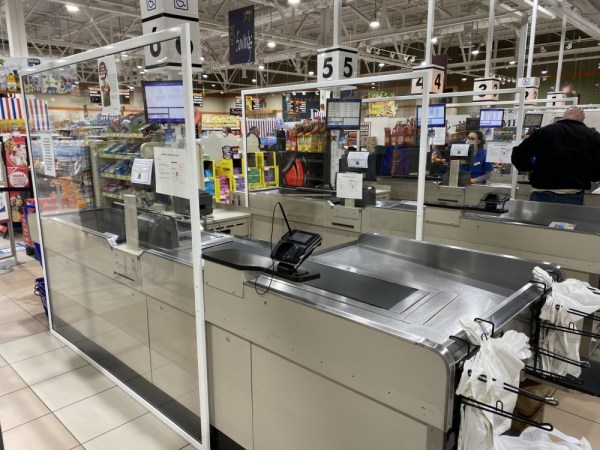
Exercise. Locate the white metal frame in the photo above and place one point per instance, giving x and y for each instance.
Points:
(182, 32)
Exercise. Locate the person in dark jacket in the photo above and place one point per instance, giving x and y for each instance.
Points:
(563, 159)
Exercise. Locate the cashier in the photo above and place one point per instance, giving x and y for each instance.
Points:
(480, 170)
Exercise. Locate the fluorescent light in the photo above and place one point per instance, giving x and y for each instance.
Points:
(293, 2)
(72, 8)
(381, 64)
(213, 85)
(271, 44)
(541, 9)
(311, 73)
(544, 72)
(512, 62)
(374, 23)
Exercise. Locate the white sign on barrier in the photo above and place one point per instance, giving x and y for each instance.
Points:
(553, 99)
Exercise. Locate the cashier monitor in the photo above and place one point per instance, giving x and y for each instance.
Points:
(460, 154)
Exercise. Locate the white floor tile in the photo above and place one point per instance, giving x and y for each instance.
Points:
(71, 387)
(20, 407)
(579, 404)
(29, 347)
(45, 433)
(573, 425)
(99, 414)
(19, 329)
(2, 362)
(6, 301)
(10, 381)
(43, 367)
(12, 314)
(143, 433)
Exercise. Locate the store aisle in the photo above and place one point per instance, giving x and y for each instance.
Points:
(52, 399)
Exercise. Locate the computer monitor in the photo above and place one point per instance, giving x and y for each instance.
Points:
(556, 119)
(472, 123)
(343, 113)
(491, 118)
(163, 101)
(533, 120)
(437, 115)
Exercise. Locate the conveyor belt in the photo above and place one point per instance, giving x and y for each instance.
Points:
(369, 290)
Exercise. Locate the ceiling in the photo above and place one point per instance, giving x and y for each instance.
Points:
(299, 31)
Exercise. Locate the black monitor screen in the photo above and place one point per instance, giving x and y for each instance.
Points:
(437, 115)
(472, 124)
(556, 119)
(343, 113)
(491, 118)
(533, 120)
(163, 101)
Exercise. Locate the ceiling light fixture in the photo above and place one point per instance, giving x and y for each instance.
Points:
(381, 64)
(569, 45)
(543, 49)
(204, 76)
(254, 80)
(271, 44)
(213, 85)
(374, 24)
(434, 40)
(261, 67)
(72, 8)
(475, 51)
(544, 72)
(413, 59)
(293, 2)
(311, 73)
(464, 78)
(512, 62)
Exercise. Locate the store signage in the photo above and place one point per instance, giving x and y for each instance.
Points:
(531, 93)
(109, 85)
(484, 85)
(48, 156)
(436, 80)
(241, 35)
(238, 102)
(337, 63)
(198, 100)
(553, 99)
(528, 82)
(235, 111)
(297, 107)
(181, 9)
(167, 54)
(17, 171)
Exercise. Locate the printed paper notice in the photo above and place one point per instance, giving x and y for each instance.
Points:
(499, 152)
(109, 85)
(439, 138)
(141, 171)
(170, 171)
(459, 150)
(349, 185)
(3, 207)
(358, 160)
(48, 155)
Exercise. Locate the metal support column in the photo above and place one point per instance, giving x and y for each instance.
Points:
(15, 27)
(561, 54)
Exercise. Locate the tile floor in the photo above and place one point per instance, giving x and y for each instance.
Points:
(51, 399)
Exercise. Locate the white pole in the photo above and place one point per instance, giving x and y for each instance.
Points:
(490, 38)
(532, 37)
(337, 10)
(561, 53)
(430, 20)
(522, 47)
(520, 115)
(423, 148)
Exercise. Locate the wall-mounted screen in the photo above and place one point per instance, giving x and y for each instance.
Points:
(437, 115)
(472, 124)
(343, 113)
(533, 120)
(491, 118)
(163, 101)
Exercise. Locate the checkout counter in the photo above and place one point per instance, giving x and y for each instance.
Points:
(327, 364)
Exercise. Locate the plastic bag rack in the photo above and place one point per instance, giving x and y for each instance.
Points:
(535, 369)
(498, 408)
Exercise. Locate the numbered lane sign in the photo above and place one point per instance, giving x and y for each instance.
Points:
(483, 85)
(531, 93)
(437, 80)
(181, 9)
(533, 82)
(554, 98)
(337, 63)
(166, 54)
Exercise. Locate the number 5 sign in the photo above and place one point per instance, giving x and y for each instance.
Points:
(436, 78)
(337, 63)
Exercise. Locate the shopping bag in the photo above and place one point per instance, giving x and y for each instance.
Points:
(536, 439)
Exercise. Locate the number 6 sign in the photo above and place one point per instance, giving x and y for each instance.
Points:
(337, 63)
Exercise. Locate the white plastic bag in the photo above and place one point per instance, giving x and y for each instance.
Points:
(568, 295)
(500, 361)
(536, 439)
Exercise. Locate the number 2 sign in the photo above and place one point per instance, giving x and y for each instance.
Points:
(336, 63)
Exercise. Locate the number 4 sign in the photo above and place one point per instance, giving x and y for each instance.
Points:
(437, 81)
(337, 63)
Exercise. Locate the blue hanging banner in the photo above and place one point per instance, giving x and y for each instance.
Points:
(241, 35)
